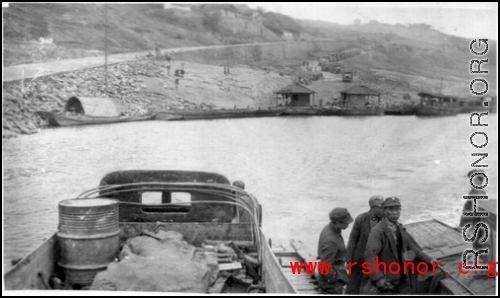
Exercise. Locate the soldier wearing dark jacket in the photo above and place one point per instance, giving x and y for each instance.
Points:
(331, 248)
(390, 243)
(357, 242)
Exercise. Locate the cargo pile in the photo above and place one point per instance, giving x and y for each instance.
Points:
(164, 262)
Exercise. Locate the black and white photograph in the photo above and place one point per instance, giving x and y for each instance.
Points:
(249, 148)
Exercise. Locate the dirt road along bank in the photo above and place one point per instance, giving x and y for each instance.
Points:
(34, 70)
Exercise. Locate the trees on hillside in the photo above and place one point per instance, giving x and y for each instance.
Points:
(212, 20)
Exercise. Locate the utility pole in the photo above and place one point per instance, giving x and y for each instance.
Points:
(106, 48)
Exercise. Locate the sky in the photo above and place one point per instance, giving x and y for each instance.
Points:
(471, 20)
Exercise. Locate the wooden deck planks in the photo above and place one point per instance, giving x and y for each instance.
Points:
(304, 283)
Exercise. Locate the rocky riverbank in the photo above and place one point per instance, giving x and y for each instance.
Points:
(147, 83)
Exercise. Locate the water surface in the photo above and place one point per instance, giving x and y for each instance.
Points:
(299, 168)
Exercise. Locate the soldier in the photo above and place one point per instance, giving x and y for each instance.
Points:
(387, 244)
(331, 248)
(357, 241)
(242, 215)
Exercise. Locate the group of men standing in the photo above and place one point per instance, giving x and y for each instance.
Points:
(377, 237)
(178, 73)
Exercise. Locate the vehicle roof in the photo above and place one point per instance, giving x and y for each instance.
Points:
(132, 176)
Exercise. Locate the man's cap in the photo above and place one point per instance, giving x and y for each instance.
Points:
(239, 183)
(391, 201)
(473, 171)
(376, 201)
(340, 215)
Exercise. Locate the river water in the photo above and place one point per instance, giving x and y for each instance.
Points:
(299, 168)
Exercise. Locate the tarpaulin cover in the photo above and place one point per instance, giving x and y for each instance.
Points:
(166, 265)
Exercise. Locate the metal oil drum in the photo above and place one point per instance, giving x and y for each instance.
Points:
(88, 237)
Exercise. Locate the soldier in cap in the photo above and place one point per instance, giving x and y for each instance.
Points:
(357, 241)
(331, 248)
(390, 243)
(242, 215)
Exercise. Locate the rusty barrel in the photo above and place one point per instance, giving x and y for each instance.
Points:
(88, 237)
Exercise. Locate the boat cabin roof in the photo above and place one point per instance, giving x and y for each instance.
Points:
(295, 88)
(97, 107)
(427, 94)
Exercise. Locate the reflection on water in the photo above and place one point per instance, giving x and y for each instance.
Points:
(299, 168)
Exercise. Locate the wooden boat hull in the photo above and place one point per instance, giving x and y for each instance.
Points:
(446, 244)
(469, 110)
(367, 112)
(196, 225)
(330, 112)
(267, 113)
(216, 114)
(219, 114)
(279, 277)
(436, 111)
(399, 112)
(33, 272)
(167, 116)
(57, 119)
(306, 111)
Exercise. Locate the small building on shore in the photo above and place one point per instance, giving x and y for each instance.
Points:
(359, 97)
(297, 95)
(434, 104)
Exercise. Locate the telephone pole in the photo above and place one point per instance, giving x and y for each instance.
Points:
(106, 48)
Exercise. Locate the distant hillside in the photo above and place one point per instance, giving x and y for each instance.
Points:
(44, 32)
(77, 30)
(416, 50)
